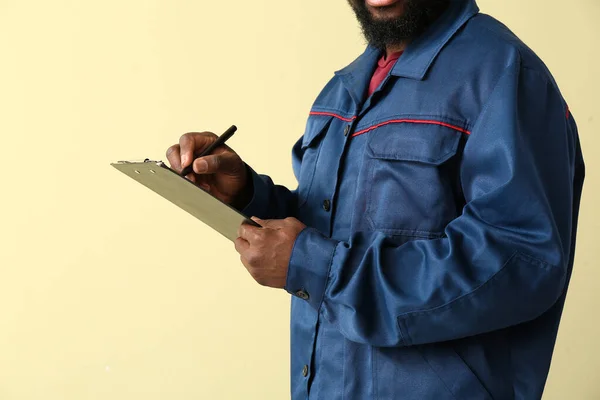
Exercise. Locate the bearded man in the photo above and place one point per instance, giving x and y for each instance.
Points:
(429, 244)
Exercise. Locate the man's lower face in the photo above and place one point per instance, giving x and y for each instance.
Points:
(385, 9)
(391, 22)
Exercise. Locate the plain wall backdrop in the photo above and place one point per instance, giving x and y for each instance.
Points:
(107, 291)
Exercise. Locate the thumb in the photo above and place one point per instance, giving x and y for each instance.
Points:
(266, 223)
(225, 163)
(261, 222)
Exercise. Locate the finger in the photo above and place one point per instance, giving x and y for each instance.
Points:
(174, 157)
(204, 186)
(186, 145)
(263, 222)
(241, 246)
(224, 162)
(192, 143)
(250, 233)
(197, 180)
(258, 221)
(204, 181)
(272, 223)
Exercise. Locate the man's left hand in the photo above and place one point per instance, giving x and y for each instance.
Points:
(266, 251)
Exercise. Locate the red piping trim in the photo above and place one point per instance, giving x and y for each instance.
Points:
(568, 112)
(333, 115)
(412, 121)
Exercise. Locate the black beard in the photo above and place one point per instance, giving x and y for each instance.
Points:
(417, 16)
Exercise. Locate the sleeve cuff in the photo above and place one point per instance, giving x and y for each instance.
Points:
(309, 266)
(257, 207)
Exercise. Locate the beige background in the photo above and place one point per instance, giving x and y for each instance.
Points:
(108, 291)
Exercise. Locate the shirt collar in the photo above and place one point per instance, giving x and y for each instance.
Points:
(420, 54)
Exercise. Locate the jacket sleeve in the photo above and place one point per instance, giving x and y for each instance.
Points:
(502, 262)
(271, 201)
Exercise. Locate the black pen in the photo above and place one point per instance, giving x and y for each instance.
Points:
(220, 141)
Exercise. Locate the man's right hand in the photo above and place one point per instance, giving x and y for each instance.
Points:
(222, 173)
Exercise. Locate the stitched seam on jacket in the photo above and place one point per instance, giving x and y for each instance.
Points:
(374, 374)
(328, 275)
(424, 160)
(287, 287)
(502, 270)
(332, 115)
(330, 110)
(488, 103)
(411, 121)
(438, 375)
(459, 122)
(477, 379)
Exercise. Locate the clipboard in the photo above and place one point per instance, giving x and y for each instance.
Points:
(164, 181)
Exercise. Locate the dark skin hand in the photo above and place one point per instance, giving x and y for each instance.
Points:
(223, 173)
(266, 251)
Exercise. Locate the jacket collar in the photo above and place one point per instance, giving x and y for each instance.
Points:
(420, 54)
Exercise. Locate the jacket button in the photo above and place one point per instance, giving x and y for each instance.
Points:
(305, 371)
(302, 294)
(346, 130)
(326, 205)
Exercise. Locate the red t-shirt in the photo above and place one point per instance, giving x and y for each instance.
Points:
(384, 66)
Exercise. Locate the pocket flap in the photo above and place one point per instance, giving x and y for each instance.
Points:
(316, 127)
(425, 142)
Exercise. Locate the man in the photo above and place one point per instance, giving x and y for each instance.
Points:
(429, 244)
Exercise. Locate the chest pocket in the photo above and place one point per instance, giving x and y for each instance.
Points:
(414, 178)
(312, 141)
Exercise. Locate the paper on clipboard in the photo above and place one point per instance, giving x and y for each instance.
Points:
(159, 178)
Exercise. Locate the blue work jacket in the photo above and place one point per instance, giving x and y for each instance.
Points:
(441, 214)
